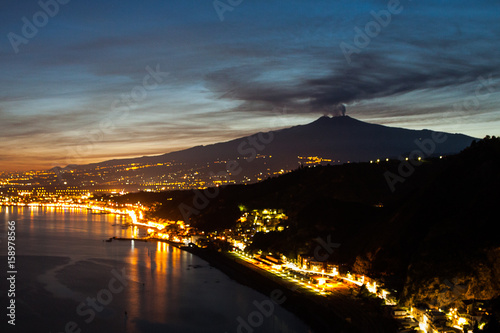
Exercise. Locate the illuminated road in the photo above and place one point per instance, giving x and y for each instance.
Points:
(337, 300)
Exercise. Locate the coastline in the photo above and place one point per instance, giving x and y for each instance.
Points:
(333, 313)
(316, 312)
(301, 306)
(337, 313)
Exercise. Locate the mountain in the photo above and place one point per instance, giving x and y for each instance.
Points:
(340, 138)
(335, 140)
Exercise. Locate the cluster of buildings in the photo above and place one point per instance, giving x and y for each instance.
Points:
(313, 160)
(152, 176)
(42, 194)
(257, 220)
(322, 275)
(473, 316)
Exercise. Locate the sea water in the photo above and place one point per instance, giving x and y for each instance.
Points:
(70, 280)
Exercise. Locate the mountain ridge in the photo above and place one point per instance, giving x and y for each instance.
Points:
(341, 139)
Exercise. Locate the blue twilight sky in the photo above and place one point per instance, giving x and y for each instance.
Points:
(86, 81)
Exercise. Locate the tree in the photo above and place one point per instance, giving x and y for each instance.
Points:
(361, 266)
(493, 326)
(475, 329)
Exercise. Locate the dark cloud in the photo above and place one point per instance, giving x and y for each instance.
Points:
(373, 75)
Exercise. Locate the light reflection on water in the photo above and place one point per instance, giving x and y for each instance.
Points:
(168, 289)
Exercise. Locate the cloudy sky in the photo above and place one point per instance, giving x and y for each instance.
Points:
(86, 81)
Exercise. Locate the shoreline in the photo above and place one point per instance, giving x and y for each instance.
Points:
(333, 313)
(302, 307)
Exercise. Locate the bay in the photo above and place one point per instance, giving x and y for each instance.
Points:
(69, 280)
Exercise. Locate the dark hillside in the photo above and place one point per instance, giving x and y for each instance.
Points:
(440, 223)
